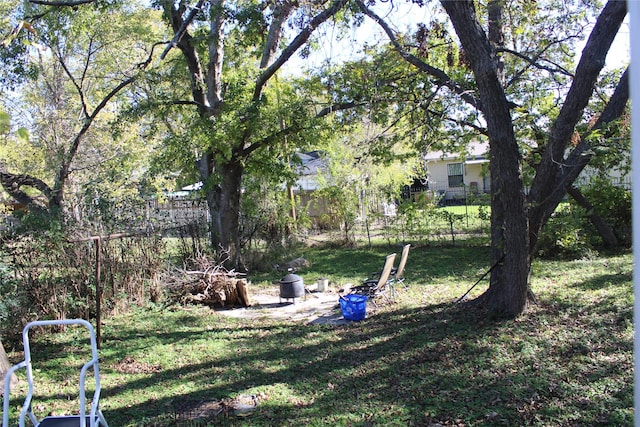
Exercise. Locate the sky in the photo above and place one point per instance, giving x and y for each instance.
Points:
(620, 52)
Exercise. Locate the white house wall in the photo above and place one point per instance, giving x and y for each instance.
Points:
(439, 178)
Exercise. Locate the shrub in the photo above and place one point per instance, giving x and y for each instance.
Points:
(49, 274)
(613, 203)
(565, 237)
(570, 234)
(12, 304)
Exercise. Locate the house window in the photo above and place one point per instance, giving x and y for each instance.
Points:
(454, 171)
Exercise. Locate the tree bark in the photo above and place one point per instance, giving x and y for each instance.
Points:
(507, 294)
(580, 156)
(553, 174)
(223, 200)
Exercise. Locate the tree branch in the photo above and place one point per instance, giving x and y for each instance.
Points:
(216, 56)
(183, 29)
(68, 3)
(56, 196)
(442, 78)
(534, 62)
(338, 107)
(296, 128)
(183, 40)
(606, 232)
(74, 82)
(13, 183)
(297, 42)
(580, 156)
(281, 12)
(545, 191)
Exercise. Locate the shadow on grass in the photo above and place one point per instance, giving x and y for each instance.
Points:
(566, 362)
(403, 366)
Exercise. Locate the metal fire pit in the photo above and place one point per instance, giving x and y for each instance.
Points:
(291, 287)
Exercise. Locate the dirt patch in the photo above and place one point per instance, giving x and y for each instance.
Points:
(129, 365)
(314, 308)
(188, 412)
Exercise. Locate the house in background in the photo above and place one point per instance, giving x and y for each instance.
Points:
(454, 177)
(312, 164)
(450, 177)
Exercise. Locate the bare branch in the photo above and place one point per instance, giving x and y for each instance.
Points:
(64, 171)
(534, 61)
(183, 29)
(74, 82)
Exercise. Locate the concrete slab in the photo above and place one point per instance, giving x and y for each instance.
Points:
(314, 308)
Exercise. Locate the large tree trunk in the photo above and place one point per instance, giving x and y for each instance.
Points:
(507, 294)
(514, 231)
(223, 200)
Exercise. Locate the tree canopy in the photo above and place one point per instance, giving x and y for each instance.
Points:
(81, 62)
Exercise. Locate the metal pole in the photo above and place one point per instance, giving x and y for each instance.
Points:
(634, 82)
(98, 294)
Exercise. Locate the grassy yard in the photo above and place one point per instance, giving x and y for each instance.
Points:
(423, 361)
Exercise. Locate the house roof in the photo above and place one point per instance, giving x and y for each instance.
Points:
(476, 152)
(311, 163)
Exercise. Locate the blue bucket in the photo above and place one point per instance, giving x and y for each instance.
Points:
(354, 307)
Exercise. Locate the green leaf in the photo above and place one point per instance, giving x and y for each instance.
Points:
(23, 134)
(5, 122)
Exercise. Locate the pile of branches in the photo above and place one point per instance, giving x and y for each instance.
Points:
(207, 283)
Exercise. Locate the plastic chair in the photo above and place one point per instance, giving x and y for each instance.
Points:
(93, 419)
(377, 287)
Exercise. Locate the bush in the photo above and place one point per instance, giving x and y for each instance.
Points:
(569, 232)
(47, 274)
(12, 304)
(613, 203)
(567, 235)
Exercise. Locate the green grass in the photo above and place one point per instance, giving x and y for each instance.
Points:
(568, 361)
